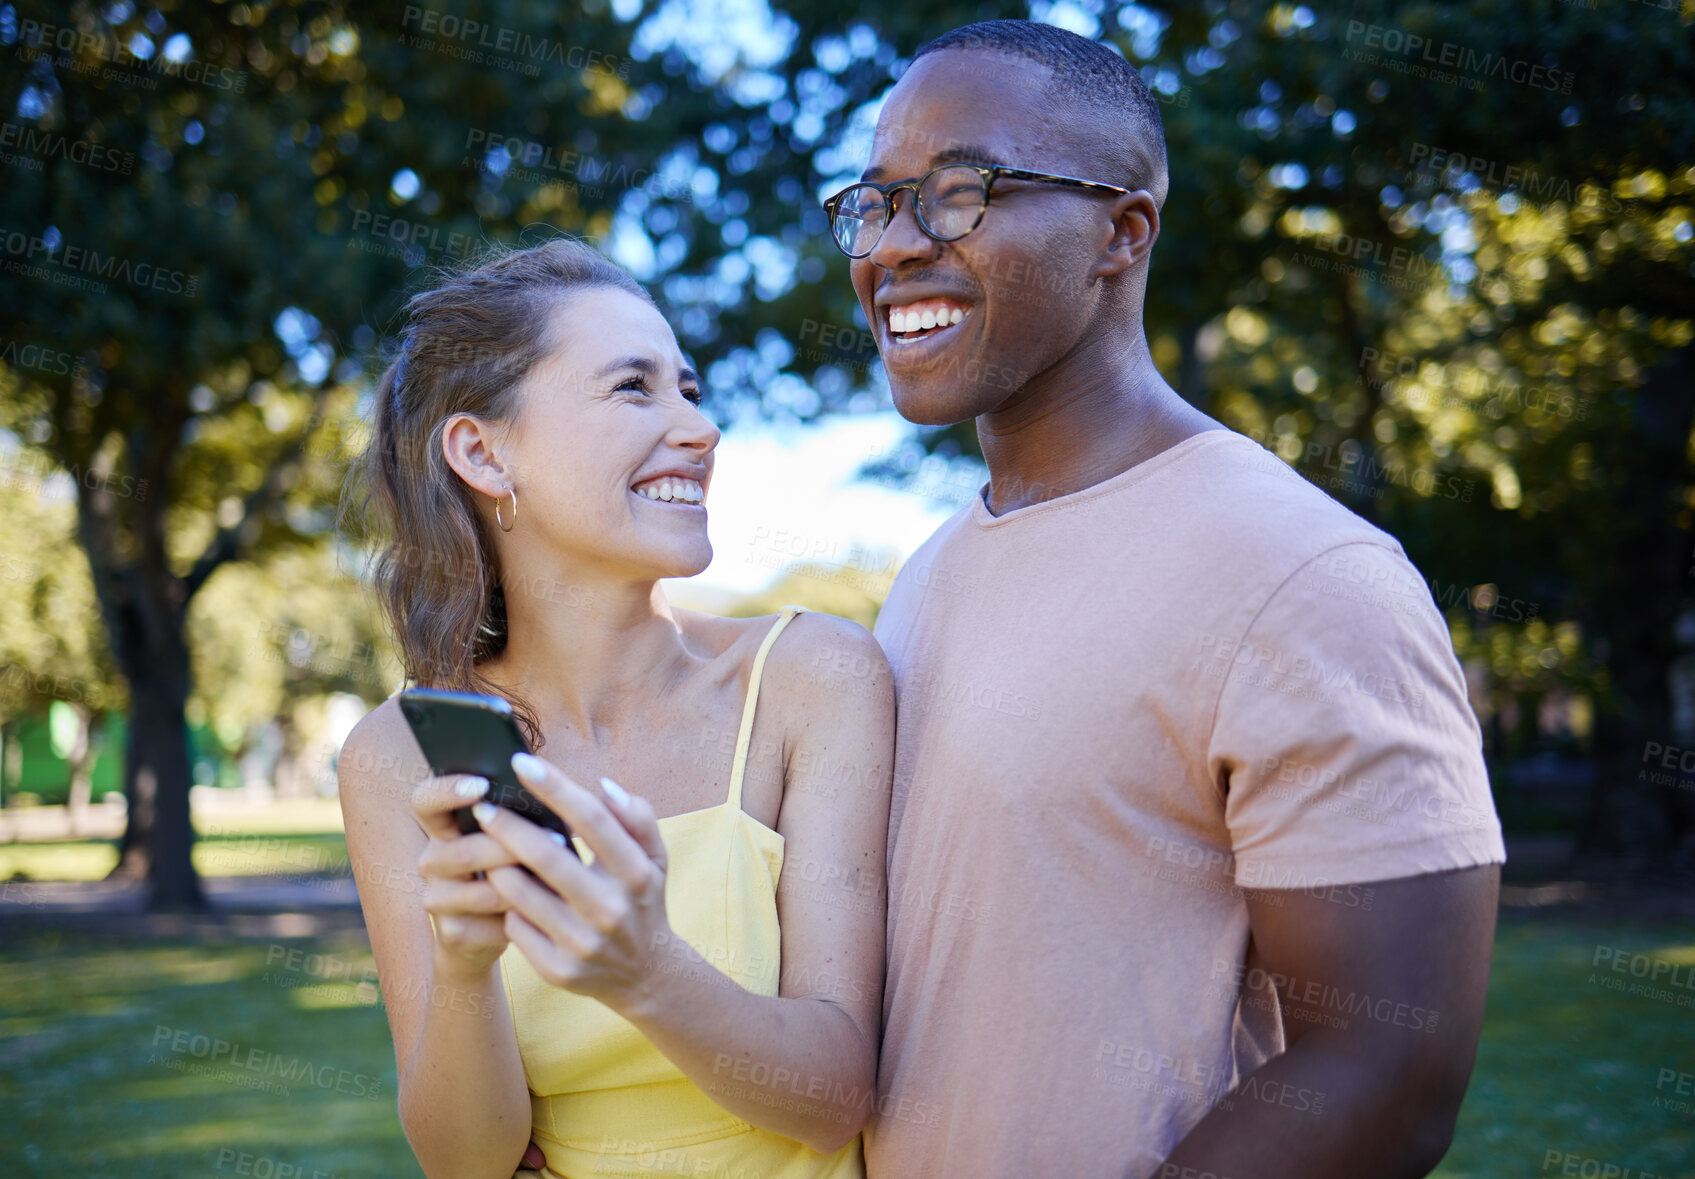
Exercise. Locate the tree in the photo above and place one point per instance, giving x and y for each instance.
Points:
(1348, 268)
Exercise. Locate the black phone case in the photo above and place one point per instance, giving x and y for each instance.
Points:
(463, 733)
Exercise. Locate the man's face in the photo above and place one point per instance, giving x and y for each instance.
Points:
(1019, 284)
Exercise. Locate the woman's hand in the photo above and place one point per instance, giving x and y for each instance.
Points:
(468, 914)
(597, 930)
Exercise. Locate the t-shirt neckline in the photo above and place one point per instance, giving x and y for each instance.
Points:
(983, 518)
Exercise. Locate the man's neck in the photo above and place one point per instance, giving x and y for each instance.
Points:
(1096, 413)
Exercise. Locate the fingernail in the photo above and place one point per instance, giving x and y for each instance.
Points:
(472, 788)
(528, 764)
(615, 792)
(484, 811)
(557, 838)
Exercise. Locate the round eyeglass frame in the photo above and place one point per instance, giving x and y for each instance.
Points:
(987, 174)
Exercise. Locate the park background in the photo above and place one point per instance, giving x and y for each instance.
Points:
(1438, 257)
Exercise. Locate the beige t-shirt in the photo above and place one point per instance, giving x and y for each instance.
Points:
(1118, 710)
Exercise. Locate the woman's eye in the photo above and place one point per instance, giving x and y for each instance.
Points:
(695, 396)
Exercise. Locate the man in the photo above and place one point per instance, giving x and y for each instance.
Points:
(1193, 862)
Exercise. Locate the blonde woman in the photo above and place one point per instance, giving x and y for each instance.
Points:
(700, 992)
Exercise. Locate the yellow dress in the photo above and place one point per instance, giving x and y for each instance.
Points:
(605, 1103)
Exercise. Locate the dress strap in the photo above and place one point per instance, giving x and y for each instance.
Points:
(745, 737)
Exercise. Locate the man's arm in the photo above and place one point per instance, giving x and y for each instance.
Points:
(1405, 980)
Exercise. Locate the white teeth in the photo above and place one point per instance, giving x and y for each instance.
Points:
(901, 322)
(669, 490)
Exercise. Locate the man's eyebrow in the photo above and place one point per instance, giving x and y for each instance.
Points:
(970, 153)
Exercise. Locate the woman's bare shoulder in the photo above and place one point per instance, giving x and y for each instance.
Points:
(380, 760)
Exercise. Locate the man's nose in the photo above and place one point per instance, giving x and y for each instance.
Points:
(902, 239)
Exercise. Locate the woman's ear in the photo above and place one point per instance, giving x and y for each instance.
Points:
(470, 446)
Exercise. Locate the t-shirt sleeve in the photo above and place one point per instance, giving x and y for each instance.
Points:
(1343, 739)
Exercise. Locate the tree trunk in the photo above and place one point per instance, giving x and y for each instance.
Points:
(159, 836)
(81, 764)
(145, 609)
(1636, 618)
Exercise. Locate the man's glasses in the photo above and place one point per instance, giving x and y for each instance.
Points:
(950, 204)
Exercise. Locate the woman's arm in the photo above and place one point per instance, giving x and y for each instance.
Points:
(464, 1103)
(803, 1063)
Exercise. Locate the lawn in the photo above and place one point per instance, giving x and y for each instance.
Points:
(107, 1046)
(282, 838)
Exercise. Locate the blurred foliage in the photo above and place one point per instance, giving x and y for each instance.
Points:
(1459, 302)
(51, 646)
(853, 590)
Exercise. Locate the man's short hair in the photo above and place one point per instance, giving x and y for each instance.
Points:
(1088, 73)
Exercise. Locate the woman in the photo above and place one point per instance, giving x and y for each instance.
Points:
(540, 462)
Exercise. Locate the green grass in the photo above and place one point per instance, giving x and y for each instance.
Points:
(95, 1080)
(286, 837)
(1569, 1065)
(1566, 1065)
(217, 855)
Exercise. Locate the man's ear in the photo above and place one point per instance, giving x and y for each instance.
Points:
(471, 447)
(1131, 234)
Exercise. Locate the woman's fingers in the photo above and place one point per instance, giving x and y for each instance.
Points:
(455, 898)
(479, 938)
(636, 814)
(463, 856)
(585, 813)
(435, 800)
(556, 956)
(563, 877)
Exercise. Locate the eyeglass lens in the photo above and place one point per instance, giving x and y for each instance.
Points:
(950, 200)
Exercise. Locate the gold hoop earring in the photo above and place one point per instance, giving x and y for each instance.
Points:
(504, 526)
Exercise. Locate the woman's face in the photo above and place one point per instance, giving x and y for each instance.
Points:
(609, 452)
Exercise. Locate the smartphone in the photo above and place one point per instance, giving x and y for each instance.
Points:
(464, 733)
